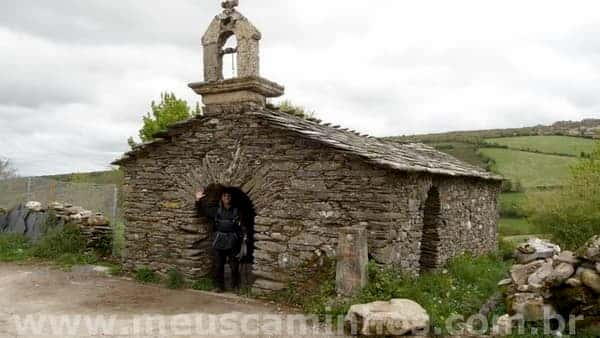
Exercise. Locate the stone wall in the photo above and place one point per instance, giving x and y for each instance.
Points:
(303, 192)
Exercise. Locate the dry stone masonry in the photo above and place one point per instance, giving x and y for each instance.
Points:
(547, 281)
(31, 219)
(305, 181)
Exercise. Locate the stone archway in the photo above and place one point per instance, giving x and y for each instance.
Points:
(245, 205)
(430, 240)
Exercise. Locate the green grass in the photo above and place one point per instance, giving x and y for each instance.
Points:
(14, 248)
(175, 279)
(99, 177)
(530, 169)
(512, 205)
(464, 151)
(63, 247)
(203, 284)
(146, 275)
(466, 284)
(516, 227)
(566, 145)
(58, 242)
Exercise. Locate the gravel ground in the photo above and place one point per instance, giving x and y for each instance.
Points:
(41, 301)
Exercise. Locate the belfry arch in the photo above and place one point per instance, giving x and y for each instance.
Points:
(223, 27)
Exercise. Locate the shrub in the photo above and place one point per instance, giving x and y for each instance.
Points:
(571, 214)
(147, 276)
(57, 242)
(105, 246)
(175, 279)
(203, 284)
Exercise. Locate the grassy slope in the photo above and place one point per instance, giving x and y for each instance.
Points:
(465, 151)
(566, 145)
(98, 177)
(531, 169)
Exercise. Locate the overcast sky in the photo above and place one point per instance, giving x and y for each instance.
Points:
(76, 76)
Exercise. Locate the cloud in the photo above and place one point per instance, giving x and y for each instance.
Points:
(77, 76)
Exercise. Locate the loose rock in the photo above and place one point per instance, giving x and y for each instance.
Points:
(535, 248)
(591, 279)
(394, 318)
(573, 282)
(520, 272)
(567, 257)
(539, 277)
(504, 325)
(561, 273)
(591, 250)
(34, 206)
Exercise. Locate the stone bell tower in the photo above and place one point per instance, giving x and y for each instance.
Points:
(247, 86)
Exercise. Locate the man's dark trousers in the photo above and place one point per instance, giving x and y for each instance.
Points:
(221, 258)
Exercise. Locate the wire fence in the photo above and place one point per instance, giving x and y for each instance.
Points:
(102, 198)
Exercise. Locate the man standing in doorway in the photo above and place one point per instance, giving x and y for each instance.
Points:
(228, 236)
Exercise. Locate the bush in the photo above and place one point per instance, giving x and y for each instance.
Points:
(147, 276)
(572, 214)
(105, 246)
(175, 279)
(57, 242)
(203, 284)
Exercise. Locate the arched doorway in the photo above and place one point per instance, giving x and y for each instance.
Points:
(430, 240)
(245, 205)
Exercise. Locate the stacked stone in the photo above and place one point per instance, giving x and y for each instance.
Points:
(94, 226)
(303, 193)
(546, 282)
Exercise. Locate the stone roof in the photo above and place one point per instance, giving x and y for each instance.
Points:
(407, 157)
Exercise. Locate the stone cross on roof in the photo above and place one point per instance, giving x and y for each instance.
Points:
(230, 4)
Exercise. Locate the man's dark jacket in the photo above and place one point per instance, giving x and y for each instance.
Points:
(226, 225)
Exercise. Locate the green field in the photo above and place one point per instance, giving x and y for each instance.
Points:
(512, 204)
(464, 151)
(530, 169)
(508, 227)
(572, 146)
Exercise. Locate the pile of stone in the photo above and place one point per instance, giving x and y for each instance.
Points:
(94, 226)
(547, 282)
(31, 220)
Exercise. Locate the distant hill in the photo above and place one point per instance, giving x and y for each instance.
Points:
(530, 158)
(587, 128)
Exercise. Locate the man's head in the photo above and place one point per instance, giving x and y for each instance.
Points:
(226, 198)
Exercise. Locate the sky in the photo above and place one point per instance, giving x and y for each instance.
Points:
(76, 76)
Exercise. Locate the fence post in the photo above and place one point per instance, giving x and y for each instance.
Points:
(114, 217)
(28, 189)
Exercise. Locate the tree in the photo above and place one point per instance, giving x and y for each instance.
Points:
(572, 214)
(169, 110)
(7, 170)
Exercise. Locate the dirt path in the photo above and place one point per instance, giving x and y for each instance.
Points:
(41, 301)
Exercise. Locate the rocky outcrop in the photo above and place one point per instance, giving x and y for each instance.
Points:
(26, 221)
(397, 317)
(554, 282)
